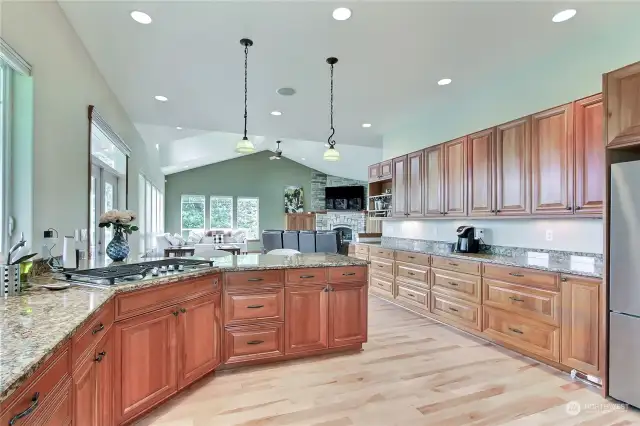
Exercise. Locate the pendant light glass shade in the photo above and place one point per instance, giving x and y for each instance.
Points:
(331, 154)
(244, 146)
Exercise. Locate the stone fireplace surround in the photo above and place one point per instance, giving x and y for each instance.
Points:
(354, 220)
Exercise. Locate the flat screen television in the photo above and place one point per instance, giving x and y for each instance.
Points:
(344, 198)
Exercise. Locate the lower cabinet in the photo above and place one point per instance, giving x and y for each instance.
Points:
(347, 314)
(307, 325)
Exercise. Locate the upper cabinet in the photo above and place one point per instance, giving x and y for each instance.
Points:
(589, 155)
(415, 183)
(513, 174)
(433, 181)
(551, 161)
(374, 172)
(481, 172)
(621, 94)
(380, 171)
(399, 186)
(455, 177)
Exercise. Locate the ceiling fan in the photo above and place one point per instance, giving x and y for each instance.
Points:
(278, 153)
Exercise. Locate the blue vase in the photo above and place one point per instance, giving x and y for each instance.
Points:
(118, 248)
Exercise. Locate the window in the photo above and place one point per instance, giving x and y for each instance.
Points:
(220, 212)
(150, 214)
(192, 214)
(4, 151)
(248, 209)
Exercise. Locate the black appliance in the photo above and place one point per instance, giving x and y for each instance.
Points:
(344, 197)
(467, 242)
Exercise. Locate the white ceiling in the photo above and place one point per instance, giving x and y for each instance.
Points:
(391, 54)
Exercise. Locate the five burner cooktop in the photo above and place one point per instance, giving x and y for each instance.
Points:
(132, 271)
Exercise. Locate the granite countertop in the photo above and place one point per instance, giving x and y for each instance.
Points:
(36, 323)
(571, 264)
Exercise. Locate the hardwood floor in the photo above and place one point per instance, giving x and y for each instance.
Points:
(413, 371)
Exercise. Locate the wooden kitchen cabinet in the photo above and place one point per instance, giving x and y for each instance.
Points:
(481, 173)
(399, 184)
(621, 94)
(374, 172)
(589, 155)
(552, 161)
(347, 314)
(455, 178)
(199, 338)
(380, 171)
(513, 173)
(306, 324)
(433, 181)
(415, 183)
(300, 221)
(146, 362)
(580, 340)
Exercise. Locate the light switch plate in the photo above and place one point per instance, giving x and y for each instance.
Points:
(549, 235)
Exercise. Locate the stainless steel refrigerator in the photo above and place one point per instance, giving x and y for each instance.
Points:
(624, 283)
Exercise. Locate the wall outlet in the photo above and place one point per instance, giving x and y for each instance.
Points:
(478, 233)
(549, 235)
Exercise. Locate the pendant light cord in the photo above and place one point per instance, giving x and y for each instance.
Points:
(246, 56)
(330, 140)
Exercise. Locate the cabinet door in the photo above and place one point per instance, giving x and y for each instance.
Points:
(105, 362)
(306, 326)
(347, 314)
(199, 338)
(146, 361)
(455, 177)
(590, 168)
(513, 174)
(622, 106)
(374, 172)
(386, 170)
(433, 182)
(552, 161)
(400, 186)
(580, 324)
(415, 187)
(85, 392)
(481, 173)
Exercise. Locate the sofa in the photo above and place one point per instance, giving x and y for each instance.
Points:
(210, 239)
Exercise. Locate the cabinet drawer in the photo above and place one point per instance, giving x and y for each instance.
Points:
(91, 332)
(273, 277)
(362, 256)
(45, 382)
(529, 335)
(345, 274)
(381, 284)
(463, 286)
(362, 249)
(306, 275)
(529, 302)
(381, 252)
(413, 273)
(151, 299)
(254, 305)
(456, 310)
(381, 267)
(415, 258)
(414, 296)
(456, 265)
(256, 342)
(524, 276)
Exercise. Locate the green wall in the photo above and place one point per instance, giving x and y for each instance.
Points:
(248, 176)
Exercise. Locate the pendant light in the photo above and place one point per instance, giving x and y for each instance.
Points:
(245, 146)
(332, 153)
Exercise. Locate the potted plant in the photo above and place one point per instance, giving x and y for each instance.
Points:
(118, 247)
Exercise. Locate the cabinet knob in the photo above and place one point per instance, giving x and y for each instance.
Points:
(497, 211)
(175, 313)
(564, 279)
(569, 208)
(183, 310)
(578, 208)
(493, 211)
(100, 356)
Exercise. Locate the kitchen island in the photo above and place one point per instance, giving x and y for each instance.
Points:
(106, 355)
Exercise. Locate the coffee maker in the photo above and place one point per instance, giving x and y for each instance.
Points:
(467, 243)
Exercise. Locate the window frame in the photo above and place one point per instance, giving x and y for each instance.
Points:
(233, 207)
(5, 153)
(257, 236)
(204, 212)
(150, 214)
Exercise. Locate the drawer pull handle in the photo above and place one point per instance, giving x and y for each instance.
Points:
(411, 295)
(380, 266)
(564, 279)
(255, 279)
(255, 306)
(515, 274)
(411, 257)
(29, 410)
(380, 252)
(100, 356)
(307, 276)
(348, 274)
(453, 264)
(453, 309)
(452, 283)
(410, 273)
(98, 329)
(255, 342)
(515, 330)
(515, 299)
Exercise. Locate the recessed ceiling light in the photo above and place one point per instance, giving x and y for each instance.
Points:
(444, 82)
(303, 158)
(565, 15)
(158, 147)
(341, 14)
(161, 98)
(178, 128)
(141, 17)
(365, 125)
(286, 91)
(276, 113)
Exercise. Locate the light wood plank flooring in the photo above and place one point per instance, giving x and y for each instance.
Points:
(412, 371)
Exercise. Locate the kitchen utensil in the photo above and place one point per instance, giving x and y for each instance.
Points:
(23, 259)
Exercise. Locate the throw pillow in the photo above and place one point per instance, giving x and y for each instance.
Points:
(218, 238)
(172, 240)
(238, 236)
(179, 238)
(194, 237)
